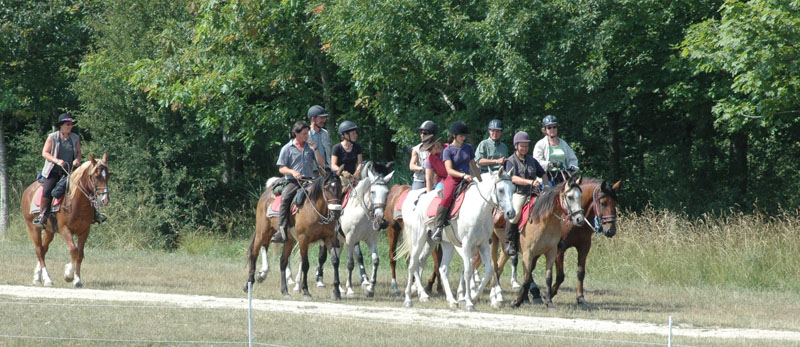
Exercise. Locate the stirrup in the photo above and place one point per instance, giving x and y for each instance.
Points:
(39, 221)
(436, 235)
(280, 236)
(510, 248)
(99, 218)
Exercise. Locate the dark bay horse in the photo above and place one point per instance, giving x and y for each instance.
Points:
(541, 235)
(315, 220)
(600, 203)
(88, 187)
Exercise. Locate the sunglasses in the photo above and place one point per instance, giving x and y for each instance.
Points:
(425, 132)
(552, 127)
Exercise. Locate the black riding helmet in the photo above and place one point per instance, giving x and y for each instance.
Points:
(495, 124)
(317, 111)
(428, 126)
(458, 128)
(346, 127)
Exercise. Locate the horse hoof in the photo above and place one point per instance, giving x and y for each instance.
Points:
(36, 282)
(369, 293)
(336, 296)
(395, 292)
(287, 296)
(515, 285)
(351, 294)
(48, 284)
(582, 302)
(307, 297)
(407, 303)
(550, 306)
(423, 299)
(78, 284)
(296, 288)
(365, 284)
(454, 305)
(320, 284)
(497, 305)
(538, 301)
(470, 308)
(261, 277)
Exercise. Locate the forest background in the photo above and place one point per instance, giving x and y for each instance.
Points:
(692, 104)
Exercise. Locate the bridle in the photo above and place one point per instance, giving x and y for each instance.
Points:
(600, 219)
(372, 206)
(93, 194)
(562, 202)
(332, 216)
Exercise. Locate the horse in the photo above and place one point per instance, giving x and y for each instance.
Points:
(361, 220)
(543, 231)
(88, 187)
(600, 203)
(471, 229)
(315, 220)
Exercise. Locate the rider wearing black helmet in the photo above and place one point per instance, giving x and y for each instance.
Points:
(491, 152)
(347, 154)
(524, 170)
(552, 152)
(459, 160)
(427, 132)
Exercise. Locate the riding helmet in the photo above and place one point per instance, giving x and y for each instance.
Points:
(317, 111)
(428, 126)
(495, 124)
(521, 136)
(458, 128)
(347, 126)
(549, 119)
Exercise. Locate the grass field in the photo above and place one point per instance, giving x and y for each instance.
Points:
(739, 271)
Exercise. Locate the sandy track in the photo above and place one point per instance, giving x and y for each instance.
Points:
(427, 317)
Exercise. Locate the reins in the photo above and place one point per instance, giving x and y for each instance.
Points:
(598, 218)
(322, 219)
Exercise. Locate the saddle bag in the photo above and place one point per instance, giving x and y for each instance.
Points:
(277, 187)
(61, 187)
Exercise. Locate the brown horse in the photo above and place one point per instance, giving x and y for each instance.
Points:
(88, 187)
(314, 221)
(395, 229)
(543, 231)
(600, 204)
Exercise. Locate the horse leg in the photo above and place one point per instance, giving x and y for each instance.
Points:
(69, 268)
(444, 270)
(262, 274)
(514, 262)
(252, 257)
(299, 277)
(483, 252)
(335, 252)
(437, 260)
(350, 267)
(304, 265)
(527, 265)
(287, 252)
(362, 271)
(559, 270)
(496, 294)
(583, 252)
(413, 264)
(392, 233)
(77, 283)
(373, 248)
(323, 256)
(534, 288)
(551, 258)
(466, 257)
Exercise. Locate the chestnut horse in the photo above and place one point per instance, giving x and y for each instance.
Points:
(543, 231)
(88, 187)
(314, 221)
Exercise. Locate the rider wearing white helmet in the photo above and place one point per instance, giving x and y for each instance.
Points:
(552, 152)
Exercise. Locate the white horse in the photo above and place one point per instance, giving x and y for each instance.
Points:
(470, 230)
(361, 220)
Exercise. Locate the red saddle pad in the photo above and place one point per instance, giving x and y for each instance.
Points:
(276, 205)
(347, 196)
(434, 205)
(526, 212)
(38, 199)
(399, 205)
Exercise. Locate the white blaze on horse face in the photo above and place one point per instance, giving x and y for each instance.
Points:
(505, 192)
(573, 197)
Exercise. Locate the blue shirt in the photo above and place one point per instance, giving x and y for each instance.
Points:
(460, 156)
(302, 161)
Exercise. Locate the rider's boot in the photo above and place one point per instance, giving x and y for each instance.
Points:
(441, 221)
(512, 238)
(41, 219)
(99, 218)
(280, 235)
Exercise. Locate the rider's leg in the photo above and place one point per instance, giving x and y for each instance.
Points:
(287, 194)
(47, 187)
(450, 185)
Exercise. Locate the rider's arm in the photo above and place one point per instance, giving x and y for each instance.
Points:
(430, 179)
(285, 170)
(476, 172)
(335, 163)
(48, 146)
(360, 165)
(412, 165)
(320, 160)
(78, 158)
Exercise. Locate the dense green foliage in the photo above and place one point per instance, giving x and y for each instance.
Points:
(693, 104)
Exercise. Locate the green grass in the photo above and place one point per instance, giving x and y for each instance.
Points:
(737, 271)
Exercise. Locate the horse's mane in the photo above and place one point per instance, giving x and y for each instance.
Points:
(319, 182)
(606, 189)
(545, 202)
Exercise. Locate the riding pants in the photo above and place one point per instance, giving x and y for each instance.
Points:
(287, 196)
(50, 182)
(450, 184)
(518, 200)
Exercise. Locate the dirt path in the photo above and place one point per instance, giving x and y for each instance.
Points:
(428, 317)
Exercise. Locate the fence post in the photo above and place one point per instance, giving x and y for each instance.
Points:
(250, 313)
(669, 337)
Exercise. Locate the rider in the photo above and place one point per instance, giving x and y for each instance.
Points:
(347, 154)
(317, 116)
(298, 160)
(524, 171)
(62, 148)
(553, 153)
(491, 152)
(459, 158)
(417, 163)
(435, 171)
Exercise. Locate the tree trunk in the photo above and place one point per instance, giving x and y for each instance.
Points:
(3, 185)
(737, 171)
(613, 145)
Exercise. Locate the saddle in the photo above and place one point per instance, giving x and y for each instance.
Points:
(525, 215)
(36, 203)
(398, 207)
(459, 194)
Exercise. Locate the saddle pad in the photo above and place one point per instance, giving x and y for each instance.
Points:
(526, 212)
(346, 197)
(275, 207)
(55, 205)
(398, 207)
(434, 205)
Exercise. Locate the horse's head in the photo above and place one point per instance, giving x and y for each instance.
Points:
(98, 173)
(378, 191)
(504, 192)
(571, 195)
(605, 200)
(331, 190)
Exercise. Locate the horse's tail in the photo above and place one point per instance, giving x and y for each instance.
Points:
(404, 247)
